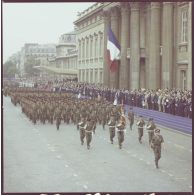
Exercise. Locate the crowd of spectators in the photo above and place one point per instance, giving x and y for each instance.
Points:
(173, 101)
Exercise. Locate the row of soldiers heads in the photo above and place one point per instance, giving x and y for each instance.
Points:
(150, 120)
(31, 99)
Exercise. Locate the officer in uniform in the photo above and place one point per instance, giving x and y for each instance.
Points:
(121, 130)
(58, 117)
(131, 117)
(94, 120)
(104, 117)
(88, 132)
(140, 125)
(111, 125)
(150, 128)
(156, 142)
(81, 125)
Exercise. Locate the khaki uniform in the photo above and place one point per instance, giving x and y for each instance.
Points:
(111, 125)
(82, 131)
(120, 134)
(150, 127)
(88, 133)
(140, 125)
(131, 119)
(156, 142)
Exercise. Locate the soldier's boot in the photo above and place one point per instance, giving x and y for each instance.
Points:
(58, 126)
(88, 147)
(140, 140)
(120, 146)
(111, 141)
(156, 163)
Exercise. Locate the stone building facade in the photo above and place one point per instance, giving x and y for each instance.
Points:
(90, 44)
(64, 65)
(155, 39)
(156, 44)
(40, 52)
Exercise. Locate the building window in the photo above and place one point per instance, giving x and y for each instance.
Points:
(83, 49)
(96, 46)
(79, 50)
(101, 46)
(91, 51)
(87, 45)
(184, 26)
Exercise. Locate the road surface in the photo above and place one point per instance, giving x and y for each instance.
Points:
(38, 158)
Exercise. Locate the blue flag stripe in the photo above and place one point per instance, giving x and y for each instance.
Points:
(112, 38)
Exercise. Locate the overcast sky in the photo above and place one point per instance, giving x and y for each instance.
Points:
(37, 23)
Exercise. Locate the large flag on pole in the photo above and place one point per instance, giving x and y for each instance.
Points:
(113, 50)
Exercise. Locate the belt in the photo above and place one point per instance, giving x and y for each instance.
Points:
(88, 131)
(150, 131)
(121, 130)
(111, 126)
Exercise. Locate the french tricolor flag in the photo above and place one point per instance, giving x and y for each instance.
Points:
(113, 50)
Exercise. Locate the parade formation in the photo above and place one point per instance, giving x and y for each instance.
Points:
(49, 107)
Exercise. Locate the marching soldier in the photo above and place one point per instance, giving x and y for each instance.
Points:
(131, 117)
(121, 130)
(94, 120)
(111, 125)
(156, 142)
(88, 132)
(57, 116)
(82, 130)
(150, 127)
(104, 118)
(140, 125)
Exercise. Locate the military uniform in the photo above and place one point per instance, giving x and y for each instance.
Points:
(111, 125)
(104, 117)
(156, 142)
(140, 125)
(131, 118)
(88, 132)
(82, 130)
(150, 128)
(58, 117)
(121, 130)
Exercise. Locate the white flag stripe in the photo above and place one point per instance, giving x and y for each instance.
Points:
(114, 51)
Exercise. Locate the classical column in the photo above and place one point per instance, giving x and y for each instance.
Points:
(148, 22)
(189, 71)
(124, 67)
(114, 76)
(106, 79)
(154, 55)
(167, 45)
(134, 46)
(94, 81)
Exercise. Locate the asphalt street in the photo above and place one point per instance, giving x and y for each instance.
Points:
(38, 158)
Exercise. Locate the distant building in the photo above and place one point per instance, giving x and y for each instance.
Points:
(40, 52)
(90, 44)
(64, 65)
(15, 58)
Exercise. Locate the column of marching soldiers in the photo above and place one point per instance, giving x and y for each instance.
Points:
(85, 114)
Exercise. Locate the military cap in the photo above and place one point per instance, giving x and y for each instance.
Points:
(130, 108)
(150, 119)
(157, 131)
(140, 116)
